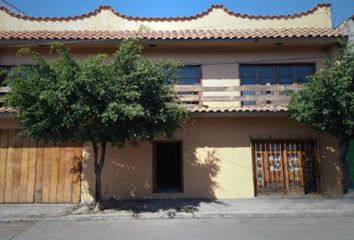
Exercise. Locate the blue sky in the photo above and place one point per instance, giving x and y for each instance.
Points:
(341, 9)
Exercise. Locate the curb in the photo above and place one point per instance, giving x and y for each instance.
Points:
(183, 215)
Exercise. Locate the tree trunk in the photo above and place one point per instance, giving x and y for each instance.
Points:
(98, 166)
(344, 147)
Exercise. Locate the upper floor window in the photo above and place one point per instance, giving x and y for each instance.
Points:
(4, 71)
(189, 75)
(275, 73)
(268, 74)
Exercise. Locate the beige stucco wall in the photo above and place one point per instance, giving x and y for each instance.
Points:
(218, 18)
(217, 160)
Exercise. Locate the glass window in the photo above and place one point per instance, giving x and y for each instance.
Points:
(248, 71)
(248, 75)
(266, 74)
(248, 81)
(285, 74)
(189, 75)
(273, 74)
(276, 73)
(4, 70)
(303, 71)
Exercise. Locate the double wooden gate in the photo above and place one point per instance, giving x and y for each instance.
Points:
(284, 166)
(34, 171)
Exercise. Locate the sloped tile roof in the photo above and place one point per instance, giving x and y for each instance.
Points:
(260, 108)
(172, 35)
(7, 110)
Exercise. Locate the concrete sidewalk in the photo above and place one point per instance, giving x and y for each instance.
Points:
(27, 212)
(258, 207)
(166, 209)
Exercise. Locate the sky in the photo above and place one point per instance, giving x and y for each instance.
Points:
(341, 9)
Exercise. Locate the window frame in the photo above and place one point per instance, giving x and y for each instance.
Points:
(276, 76)
(198, 77)
(275, 80)
(1, 68)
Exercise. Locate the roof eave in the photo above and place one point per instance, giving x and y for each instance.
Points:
(241, 114)
(226, 114)
(329, 40)
(7, 115)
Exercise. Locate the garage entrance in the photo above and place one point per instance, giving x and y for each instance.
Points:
(34, 171)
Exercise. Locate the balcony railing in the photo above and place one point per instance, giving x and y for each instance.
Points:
(257, 94)
(197, 95)
(3, 92)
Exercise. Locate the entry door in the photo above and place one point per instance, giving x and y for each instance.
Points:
(284, 166)
(168, 166)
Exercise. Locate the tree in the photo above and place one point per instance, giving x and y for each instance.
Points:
(126, 99)
(326, 104)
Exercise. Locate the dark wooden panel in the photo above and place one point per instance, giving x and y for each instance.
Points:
(284, 166)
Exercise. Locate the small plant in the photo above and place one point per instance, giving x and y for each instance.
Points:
(187, 209)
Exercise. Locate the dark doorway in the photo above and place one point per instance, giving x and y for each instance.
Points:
(168, 166)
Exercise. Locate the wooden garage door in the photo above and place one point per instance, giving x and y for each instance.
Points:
(34, 171)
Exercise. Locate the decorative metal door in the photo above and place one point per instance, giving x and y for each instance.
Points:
(284, 166)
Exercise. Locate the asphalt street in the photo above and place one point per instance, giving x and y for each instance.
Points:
(339, 228)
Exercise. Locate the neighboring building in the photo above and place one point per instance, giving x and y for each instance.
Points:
(347, 27)
(11, 7)
(239, 143)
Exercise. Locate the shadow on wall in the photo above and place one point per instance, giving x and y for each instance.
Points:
(330, 169)
(128, 175)
(203, 166)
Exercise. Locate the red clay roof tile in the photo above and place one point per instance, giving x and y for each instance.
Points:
(172, 35)
(260, 108)
(7, 110)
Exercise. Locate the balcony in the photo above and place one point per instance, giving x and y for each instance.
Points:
(197, 95)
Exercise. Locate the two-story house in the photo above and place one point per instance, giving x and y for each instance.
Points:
(239, 142)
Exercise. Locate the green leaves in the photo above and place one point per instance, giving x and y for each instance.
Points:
(326, 103)
(127, 98)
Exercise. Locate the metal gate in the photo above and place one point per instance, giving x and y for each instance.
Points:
(284, 166)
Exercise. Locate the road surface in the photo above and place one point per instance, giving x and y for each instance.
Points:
(339, 228)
